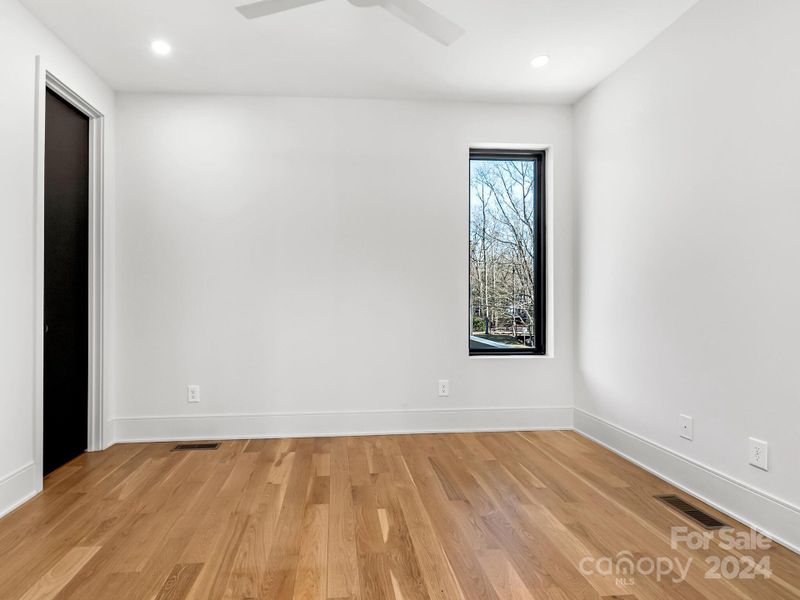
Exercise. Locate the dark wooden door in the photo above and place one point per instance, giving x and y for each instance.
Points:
(66, 282)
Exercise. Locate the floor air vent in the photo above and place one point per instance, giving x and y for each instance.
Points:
(692, 512)
(204, 446)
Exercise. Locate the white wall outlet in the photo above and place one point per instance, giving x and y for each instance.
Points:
(759, 454)
(687, 427)
(444, 387)
(193, 394)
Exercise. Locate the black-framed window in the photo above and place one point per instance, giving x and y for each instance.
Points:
(507, 244)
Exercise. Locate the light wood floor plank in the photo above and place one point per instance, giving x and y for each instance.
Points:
(342, 559)
(179, 582)
(62, 572)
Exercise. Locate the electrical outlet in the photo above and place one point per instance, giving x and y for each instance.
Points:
(193, 394)
(687, 427)
(759, 454)
(444, 387)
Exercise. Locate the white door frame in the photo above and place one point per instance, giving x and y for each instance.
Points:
(45, 80)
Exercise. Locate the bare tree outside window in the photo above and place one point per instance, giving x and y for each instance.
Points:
(506, 253)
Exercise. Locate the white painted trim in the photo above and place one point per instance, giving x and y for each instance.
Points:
(776, 518)
(38, 268)
(17, 488)
(327, 424)
(46, 79)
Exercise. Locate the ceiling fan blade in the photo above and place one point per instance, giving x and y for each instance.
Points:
(269, 7)
(424, 18)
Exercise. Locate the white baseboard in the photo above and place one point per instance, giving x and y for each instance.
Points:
(17, 487)
(324, 424)
(775, 518)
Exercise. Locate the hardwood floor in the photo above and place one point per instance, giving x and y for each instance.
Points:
(518, 516)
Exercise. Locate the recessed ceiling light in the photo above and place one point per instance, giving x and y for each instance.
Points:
(160, 47)
(540, 61)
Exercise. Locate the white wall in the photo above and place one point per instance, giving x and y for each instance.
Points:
(296, 256)
(22, 38)
(688, 297)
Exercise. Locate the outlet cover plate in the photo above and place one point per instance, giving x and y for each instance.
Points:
(193, 394)
(759, 454)
(687, 427)
(444, 387)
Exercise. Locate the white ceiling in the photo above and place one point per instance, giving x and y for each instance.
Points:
(335, 49)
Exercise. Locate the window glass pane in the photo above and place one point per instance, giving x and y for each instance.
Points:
(503, 255)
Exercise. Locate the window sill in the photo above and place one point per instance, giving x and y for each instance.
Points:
(510, 356)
